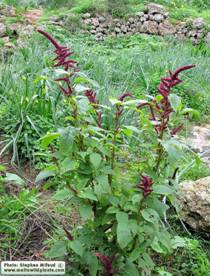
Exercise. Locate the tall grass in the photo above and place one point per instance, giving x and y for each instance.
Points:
(30, 103)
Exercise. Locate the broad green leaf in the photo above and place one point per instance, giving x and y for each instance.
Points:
(163, 189)
(62, 194)
(14, 178)
(178, 241)
(193, 113)
(77, 247)
(123, 231)
(92, 262)
(58, 250)
(95, 159)
(86, 211)
(88, 193)
(44, 175)
(176, 102)
(130, 269)
(135, 254)
(104, 183)
(68, 165)
(150, 215)
(174, 149)
(48, 139)
(156, 246)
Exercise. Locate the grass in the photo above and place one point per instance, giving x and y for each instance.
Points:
(30, 101)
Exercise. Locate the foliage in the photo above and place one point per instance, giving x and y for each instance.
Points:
(122, 217)
(13, 211)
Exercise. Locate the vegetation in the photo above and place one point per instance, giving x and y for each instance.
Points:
(101, 128)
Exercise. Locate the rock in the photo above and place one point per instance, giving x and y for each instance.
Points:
(207, 39)
(86, 15)
(7, 11)
(101, 19)
(158, 18)
(198, 23)
(117, 30)
(166, 28)
(195, 203)
(93, 32)
(139, 14)
(123, 28)
(95, 22)
(2, 29)
(5, 39)
(131, 20)
(149, 27)
(87, 21)
(153, 8)
(199, 141)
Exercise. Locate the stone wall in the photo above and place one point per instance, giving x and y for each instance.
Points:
(154, 20)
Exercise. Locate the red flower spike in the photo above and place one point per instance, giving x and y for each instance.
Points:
(107, 264)
(175, 130)
(62, 53)
(68, 234)
(145, 185)
(125, 95)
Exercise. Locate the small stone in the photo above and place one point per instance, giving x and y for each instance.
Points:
(87, 21)
(5, 39)
(139, 14)
(153, 8)
(207, 39)
(2, 29)
(86, 15)
(151, 17)
(149, 27)
(158, 18)
(198, 23)
(166, 28)
(117, 30)
(123, 28)
(93, 32)
(7, 11)
(131, 20)
(101, 19)
(95, 22)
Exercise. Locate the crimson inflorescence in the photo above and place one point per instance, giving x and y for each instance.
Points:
(62, 58)
(164, 109)
(107, 263)
(145, 185)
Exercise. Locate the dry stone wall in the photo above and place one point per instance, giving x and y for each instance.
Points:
(154, 20)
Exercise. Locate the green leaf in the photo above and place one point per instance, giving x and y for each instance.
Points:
(68, 165)
(62, 194)
(77, 247)
(178, 241)
(150, 215)
(88, 193)
(14, 178)
(156, 246)
(95, 159)
(176, 102)
(47, 139)
(130, 269)
(174, 149)
(86, 211)
(44, 175)
(163, 189)
(193, 113)
(123, 231)
(58, 250)
(104, 183)
(135, 253)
